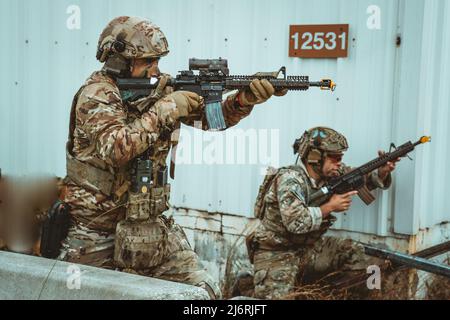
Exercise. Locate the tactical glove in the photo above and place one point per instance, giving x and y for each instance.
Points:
(176, 105)
(258, 92)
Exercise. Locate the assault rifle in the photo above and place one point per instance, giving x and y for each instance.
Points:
(212, 81)
(355, 179)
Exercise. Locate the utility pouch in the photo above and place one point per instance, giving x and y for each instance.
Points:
(159, 200)
(140, 245)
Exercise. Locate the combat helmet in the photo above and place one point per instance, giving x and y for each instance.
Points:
(318, 142)
(126, 38)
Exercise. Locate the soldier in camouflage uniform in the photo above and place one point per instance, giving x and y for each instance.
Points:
(289, 238)
(107, 133)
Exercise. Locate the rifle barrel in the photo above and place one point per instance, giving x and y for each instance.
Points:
(408, 260)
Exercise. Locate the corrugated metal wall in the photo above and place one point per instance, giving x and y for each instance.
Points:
(385, 93)
(432, 207)
(421, 104)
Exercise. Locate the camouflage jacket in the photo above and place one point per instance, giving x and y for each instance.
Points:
(287, 217)
(106, 134)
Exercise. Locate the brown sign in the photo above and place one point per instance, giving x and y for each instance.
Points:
(318, 41)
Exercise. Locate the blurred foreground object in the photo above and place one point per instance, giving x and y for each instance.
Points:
(23, 205)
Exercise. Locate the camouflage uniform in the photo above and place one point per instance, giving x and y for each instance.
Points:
(106, 134)
(289, 238)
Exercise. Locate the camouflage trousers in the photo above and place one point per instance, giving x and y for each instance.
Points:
(96, 248)
(278, 273)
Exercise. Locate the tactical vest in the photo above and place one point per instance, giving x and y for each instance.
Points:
(86, 175)
(297, 240)
(114, 182)
(141, 240)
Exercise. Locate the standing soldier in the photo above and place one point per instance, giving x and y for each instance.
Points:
(108, 135)
(289, 238)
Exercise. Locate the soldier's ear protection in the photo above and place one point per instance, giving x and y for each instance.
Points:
(99, 55)
(315, 156)
(115, 63)
(300, 146)
(117, 46)
(296, 146)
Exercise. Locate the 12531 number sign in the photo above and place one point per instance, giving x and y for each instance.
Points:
(318, 41)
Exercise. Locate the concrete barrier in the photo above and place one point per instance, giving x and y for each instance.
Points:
(33, 278)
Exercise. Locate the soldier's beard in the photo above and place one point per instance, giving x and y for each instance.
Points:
(330, 174)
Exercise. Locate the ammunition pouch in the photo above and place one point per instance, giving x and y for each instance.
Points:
(54, 229)
(138, 207)
(143, 206)
(140, 245)
(159, 200)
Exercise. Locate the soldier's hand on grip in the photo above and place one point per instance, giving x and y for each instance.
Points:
(338, 203)
(187, 102)
(342, 202)
(176, 105)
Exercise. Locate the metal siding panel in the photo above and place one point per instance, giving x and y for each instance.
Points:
(405, 106)
(422, 104)
(430, 203)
